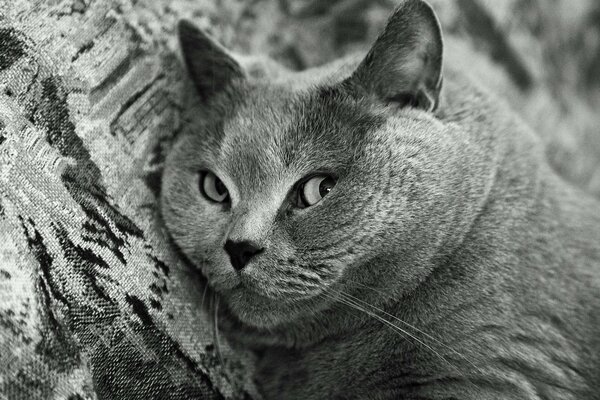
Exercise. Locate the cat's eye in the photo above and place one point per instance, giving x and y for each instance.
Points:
(213, 188)
(314, 189)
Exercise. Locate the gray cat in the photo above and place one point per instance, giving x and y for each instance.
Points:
(371, 235)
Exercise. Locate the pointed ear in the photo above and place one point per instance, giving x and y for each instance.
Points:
(210, 66)
(404, 66)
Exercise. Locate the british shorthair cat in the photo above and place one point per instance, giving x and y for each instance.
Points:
(373, 234)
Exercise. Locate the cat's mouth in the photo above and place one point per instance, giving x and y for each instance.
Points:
(267, 293)
(264, 305)
(252, 289)
(266, 281)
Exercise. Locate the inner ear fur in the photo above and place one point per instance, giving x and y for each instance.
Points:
(404, 65)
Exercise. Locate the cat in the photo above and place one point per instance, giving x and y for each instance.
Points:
(373, 231)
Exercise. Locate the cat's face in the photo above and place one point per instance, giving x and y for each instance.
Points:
(312, 181)
(292, 195)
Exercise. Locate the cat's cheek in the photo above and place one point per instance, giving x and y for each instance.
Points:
(196, 230)
(219, 273)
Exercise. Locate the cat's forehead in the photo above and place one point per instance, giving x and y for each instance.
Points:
(278, 131)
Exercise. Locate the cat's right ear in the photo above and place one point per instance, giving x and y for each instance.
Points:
(404, 66)
(210, 66)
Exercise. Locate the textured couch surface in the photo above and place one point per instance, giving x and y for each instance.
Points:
(93, 302)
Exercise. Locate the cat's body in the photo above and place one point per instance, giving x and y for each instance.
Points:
(448, 261)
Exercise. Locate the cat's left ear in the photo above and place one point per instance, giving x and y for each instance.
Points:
(210, 66)
(404, 66)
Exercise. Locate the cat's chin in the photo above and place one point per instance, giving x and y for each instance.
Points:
(258, 311)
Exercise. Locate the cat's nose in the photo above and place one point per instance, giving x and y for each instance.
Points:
(240, 253)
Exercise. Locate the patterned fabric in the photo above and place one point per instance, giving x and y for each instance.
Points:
(94, 303)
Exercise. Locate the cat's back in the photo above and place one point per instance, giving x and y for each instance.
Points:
(542, 233)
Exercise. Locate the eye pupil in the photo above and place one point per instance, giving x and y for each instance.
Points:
(220, 187)
(325, 186)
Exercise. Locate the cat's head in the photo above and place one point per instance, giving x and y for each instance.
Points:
(291, 192)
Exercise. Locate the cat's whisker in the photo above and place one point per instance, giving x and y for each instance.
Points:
(357, 306)
(428, 336)
(403, 332)
(216, 329)
(373, 288)
(203, 296)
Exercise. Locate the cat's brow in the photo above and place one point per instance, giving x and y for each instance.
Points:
(331, 121)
